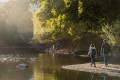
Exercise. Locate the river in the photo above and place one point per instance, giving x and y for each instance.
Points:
(41, 66)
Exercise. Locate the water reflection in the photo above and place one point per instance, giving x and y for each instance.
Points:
(10, 58)
(13, 55)
(92, 76)
(49, 68)
(42, 66)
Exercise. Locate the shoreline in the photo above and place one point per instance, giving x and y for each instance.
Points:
(111, 70)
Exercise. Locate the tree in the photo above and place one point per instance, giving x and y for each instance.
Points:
(70, 19)
(56, 19)
(112, 33)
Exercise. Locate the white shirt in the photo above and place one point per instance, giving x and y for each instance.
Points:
(90, 49)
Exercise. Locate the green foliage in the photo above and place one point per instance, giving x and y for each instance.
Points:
(112, 33)
(69, 19)
(56, 19)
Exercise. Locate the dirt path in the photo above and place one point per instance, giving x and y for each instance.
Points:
(111, 70)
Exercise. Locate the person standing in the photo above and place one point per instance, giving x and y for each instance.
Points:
(105, 51)
(92, 52)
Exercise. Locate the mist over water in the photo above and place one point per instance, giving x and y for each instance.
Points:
(4, 0)
(15, 23)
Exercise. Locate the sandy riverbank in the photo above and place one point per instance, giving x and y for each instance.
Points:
(111, 70)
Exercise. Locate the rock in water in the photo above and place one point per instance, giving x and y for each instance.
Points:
(22, 66)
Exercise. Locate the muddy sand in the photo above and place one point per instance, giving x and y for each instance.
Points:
(110, 70)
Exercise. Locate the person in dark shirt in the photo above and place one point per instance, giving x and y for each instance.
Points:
(105, 51)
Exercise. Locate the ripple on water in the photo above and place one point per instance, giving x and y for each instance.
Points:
(16, 55)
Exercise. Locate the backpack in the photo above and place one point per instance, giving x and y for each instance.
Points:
(106, 48)
(93, 52)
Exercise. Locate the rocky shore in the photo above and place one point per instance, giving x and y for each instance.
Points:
(110, 70)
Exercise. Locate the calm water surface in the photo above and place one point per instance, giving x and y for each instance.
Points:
(41, 66)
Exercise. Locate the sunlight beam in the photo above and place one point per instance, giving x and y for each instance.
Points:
(4, 0)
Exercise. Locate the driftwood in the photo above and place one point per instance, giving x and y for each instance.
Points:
(65, 48)
(54, 47)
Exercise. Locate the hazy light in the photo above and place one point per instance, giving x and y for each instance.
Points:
(4, 0)
(34, 7)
